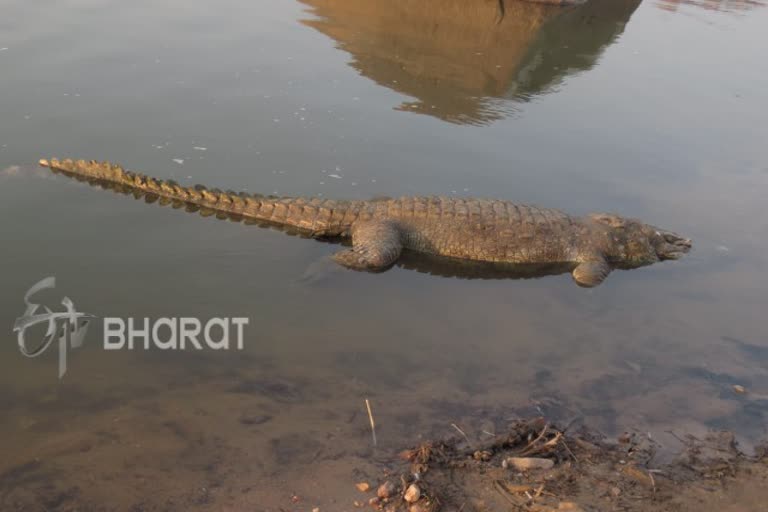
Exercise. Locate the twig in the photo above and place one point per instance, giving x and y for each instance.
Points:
(569, 450)
(653, 482)
(553, 441)
(532, 444)
(686, 442)
(373, 423)
(462, 433)
(504, 493)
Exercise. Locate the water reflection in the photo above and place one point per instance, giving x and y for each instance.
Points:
(462, 61)
(711, 5)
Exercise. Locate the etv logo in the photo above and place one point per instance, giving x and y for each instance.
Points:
(68, 327)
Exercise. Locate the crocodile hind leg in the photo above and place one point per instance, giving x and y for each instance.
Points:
(376, 246)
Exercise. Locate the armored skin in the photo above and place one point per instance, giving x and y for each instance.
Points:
(475, 230)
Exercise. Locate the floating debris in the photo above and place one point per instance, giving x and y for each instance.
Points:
(199, 148)
(334, 176)
(179, 161)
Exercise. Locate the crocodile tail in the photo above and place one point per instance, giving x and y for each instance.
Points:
(313, 216)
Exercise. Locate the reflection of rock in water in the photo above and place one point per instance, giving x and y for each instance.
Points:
(461, 59)
(711, 5)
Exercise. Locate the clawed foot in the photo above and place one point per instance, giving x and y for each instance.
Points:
(357, 260)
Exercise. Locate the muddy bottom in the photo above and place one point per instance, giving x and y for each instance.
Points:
(275, 444)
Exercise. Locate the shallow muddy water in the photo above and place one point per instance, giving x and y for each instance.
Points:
(652, 109)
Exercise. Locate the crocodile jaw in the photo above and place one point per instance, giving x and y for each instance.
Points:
(671, 246)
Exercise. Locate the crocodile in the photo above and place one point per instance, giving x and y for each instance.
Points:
(485, 231)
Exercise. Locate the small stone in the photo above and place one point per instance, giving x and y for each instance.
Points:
(385, 490)
(412, 494)
(315, 509)
(615, 491)
(373, 501)
(569, 506)
(254, 419)
(739, 389)
(417, 508)
(483, 455)
(527, 463)
(363, 486)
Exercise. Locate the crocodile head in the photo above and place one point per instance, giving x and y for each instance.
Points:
(668, 245)
(633, 243)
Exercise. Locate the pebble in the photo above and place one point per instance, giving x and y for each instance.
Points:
(363, 486)
(527, 463)
(569, 506)
(483, 455)
(739, 389)
(412, 494)
(385, 490)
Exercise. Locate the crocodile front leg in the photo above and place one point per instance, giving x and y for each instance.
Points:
(376, 246)
(591, 272)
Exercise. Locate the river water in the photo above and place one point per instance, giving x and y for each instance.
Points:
(654, 110)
